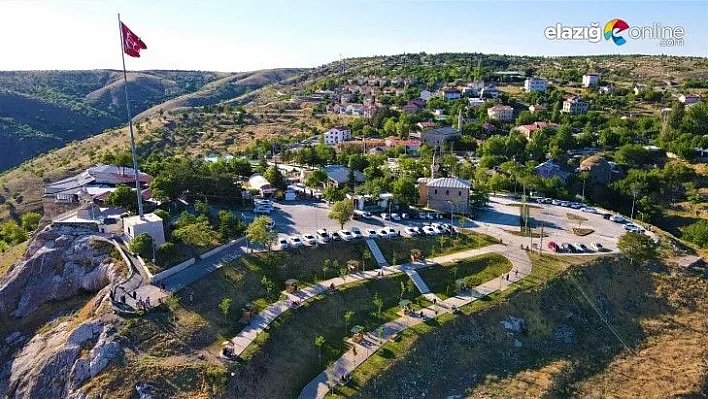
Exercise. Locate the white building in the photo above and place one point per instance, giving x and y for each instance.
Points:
(575, 106)
(151, 224)
(591, 80)
(502, 113)
(535, 84)
(337, 134)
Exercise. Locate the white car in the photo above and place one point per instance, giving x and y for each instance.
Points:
(395, 217)
(556, 202)
(565, 204)
(310, 239)
(417, 230)
(356, 233)
(438, 228)
(410, 231)
(370, 233)
(575, 205)
(633, 228)
(382, 233)
(618, 219)
(346, 235)
(596, 246)
(283, 243)
(429, 216)
(588, 209)
(429, 231)
(295, 241)
(392, 232)
(322, 236)
(261, 210)
(404, 216)
(578, 247)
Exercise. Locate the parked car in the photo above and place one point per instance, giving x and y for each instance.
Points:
(633, 228)
(395, 217)
(362, 214)
(295, 241)
(356, 233)
(429, 231)
(382, 233)
(606, 216)
(553, 246)
(392, 232)
(322, 236)
(345, 234)
(404, 216)
(410, 231)
(261, 210)
(618, 219)
(384, 216)
(270, 225)
(370, 233)
(578, 247)
(438, 228)
(576, 205)
(596, 246)
(565, 204)
(335, 236)
(582, 247)
(556, 202)
(283, 243)
(567, 247)
(309, 238)
(588, 209)
(429, 216)
(417, 230)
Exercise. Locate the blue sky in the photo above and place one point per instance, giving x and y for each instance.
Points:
(240, 35)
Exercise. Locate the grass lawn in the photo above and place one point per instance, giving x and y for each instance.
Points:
(241, 281)
(289, 346)
(475, 271)
(544, 269)
(11, 256)
(432, 246)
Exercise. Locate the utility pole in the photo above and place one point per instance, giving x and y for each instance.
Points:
(540, 246)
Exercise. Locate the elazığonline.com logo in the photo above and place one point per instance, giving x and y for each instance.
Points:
(617, 30)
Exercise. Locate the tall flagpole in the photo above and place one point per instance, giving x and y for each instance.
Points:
(130, 123)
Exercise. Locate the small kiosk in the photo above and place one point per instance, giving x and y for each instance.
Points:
(357, 333)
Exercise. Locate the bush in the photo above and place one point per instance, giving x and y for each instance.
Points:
(167, 254)
(142, 245)
(697, 233)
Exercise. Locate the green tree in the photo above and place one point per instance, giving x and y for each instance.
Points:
(319, 342)
(347, 318)
(378, 303)
(123, 197)
(316, 178)
(12, 233)
(333, 194)
(342, 211)
(325, 268)
(165, 216)
(268, 285)
(224, 306)
(637, 246)
(30, 221)
(230, 226)
(142, 245)
(259, 232)
(199, 234)
(632, 155)
(202, 207)
(172, 303)
(275, 178)
(697, 233)
(405, 192)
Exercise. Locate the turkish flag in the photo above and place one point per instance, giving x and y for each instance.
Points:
(131, 42)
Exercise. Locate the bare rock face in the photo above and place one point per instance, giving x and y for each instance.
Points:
(49, 365)
(59, 262)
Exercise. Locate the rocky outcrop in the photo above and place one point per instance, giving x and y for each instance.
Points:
(51, 366)
(58, 263)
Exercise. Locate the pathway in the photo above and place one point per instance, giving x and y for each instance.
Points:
(376, 252)
(320, 385)
(203, 267)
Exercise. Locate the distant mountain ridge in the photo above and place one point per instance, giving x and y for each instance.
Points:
(43, 110)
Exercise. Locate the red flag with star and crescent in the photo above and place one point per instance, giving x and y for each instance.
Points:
(131, 42)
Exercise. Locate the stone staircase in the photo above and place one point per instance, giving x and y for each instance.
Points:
(376, 252)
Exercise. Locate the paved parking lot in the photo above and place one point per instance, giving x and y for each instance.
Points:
(499, 220)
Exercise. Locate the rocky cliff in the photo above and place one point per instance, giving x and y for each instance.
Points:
(58, 263)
